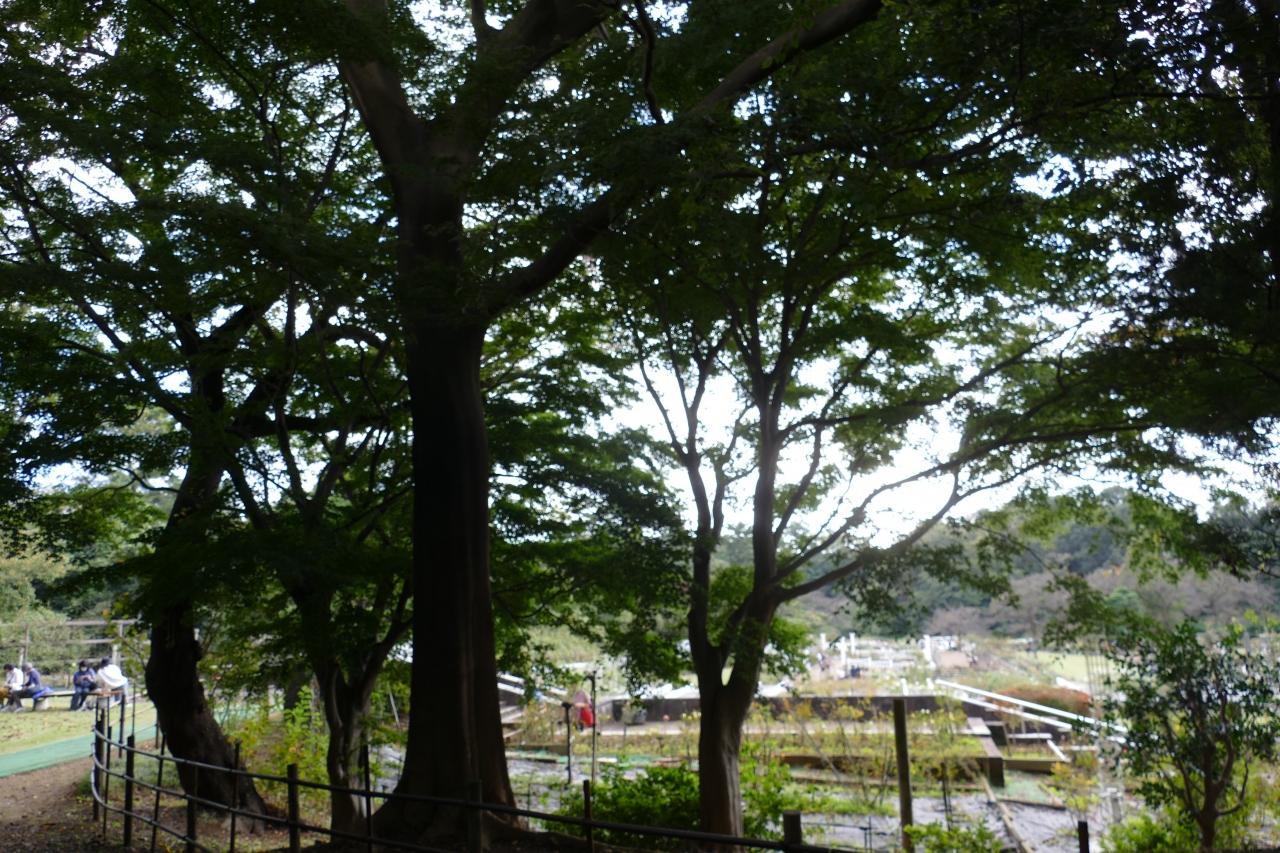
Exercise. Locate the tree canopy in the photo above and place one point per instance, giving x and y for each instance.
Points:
(382, 273)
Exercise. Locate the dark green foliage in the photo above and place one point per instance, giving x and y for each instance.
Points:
(660, 796)
(1197, 713)
(668, 797)
(1009, 571)
(585, 535)
(1150, 834)
(957, 838)
(1194, 344)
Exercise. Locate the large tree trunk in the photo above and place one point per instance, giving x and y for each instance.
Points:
(719, 746)
(190, 730)
(172, 674)
(455, 731)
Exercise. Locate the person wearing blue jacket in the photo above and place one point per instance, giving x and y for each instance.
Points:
(83, 682)
(32, 687)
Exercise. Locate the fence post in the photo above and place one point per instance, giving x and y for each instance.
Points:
(155, 811)
(235, 795)
(106, 774)
(904, 769)
(368, 796)
(97, 760)
(128, 794)
(792, 834)
(475, 818)
(193, 828)
(586, 813)
(1082, 833)
(121, 729)
(295, 832)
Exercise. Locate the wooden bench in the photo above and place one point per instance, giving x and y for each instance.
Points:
(42, 704)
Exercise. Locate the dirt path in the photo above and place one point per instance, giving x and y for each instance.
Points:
(44, 812)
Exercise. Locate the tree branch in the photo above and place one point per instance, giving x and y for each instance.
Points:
(596, 217)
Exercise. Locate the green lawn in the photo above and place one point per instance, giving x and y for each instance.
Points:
(1067, 664)
(35, 728)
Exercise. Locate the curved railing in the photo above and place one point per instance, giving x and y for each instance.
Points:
(127, 809)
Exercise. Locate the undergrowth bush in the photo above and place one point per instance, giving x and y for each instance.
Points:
(1151, 834)
(270, 743)
(1062, 698)
(668, 797)
(661, 796)
(959, 837)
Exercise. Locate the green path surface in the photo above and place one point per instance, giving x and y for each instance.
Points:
(58, 752)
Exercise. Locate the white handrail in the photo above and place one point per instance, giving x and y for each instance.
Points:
(1088, 721)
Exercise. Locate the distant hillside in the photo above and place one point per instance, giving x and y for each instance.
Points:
(926, 596)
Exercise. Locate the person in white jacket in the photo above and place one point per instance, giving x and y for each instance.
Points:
(13, 681)
(111, 682)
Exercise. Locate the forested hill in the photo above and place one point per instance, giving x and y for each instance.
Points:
(1114, 555)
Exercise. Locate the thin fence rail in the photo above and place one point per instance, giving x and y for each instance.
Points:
(132, 809)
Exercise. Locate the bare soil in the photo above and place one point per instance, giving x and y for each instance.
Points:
(45, 812)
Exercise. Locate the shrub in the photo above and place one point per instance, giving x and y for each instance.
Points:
(273, 741)
(668, 797)
(1147, 834)
(661, 796)
(1062, 698)
(956, 838)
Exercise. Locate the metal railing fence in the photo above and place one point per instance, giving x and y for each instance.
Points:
(130, 812)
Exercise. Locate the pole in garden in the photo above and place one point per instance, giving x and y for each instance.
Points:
(586, 814)
(568, 743)
(904, 768)
(595, 726)
(1082, 833)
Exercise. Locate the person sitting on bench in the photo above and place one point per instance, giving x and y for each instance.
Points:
(84, 682)
(12, 684)
(111, 683)
(32, 687)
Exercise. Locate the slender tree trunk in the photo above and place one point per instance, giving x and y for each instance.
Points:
(455, 731)
(1208, 825)
(298, 680)
(724, 710)
(724, 706)
(172, 674)
(346, 710)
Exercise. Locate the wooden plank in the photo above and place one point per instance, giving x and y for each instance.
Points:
(1007, 818)
(978, 726)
